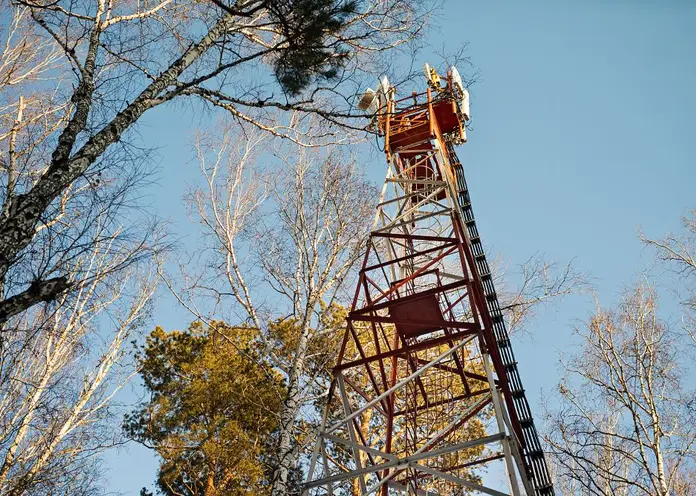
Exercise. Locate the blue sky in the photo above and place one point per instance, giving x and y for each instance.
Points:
(583, 133)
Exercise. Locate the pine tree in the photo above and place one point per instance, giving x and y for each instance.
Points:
(211, 414)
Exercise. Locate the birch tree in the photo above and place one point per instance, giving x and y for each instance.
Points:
(60, 368)
(255, 59)
(625, 423)
(282, 242)
(677, 253)
(63, 354)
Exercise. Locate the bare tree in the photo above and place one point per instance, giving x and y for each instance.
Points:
(626, 423)
(30, 66)
(678, 253)
(282, 239)
(625, 419)
(29, 112)
(62, 353)
(88, 211)
(253, 58)
(60, 368)
(535, 282)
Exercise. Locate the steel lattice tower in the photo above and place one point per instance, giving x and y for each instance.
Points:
(426, 388)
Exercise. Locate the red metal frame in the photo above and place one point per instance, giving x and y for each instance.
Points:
(419, 297)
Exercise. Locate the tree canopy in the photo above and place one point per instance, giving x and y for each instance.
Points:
(211, 412)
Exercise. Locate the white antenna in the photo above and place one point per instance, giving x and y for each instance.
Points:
(383, 93)
(456, 79)
(384, 85)
(428, 73)
(461, 92)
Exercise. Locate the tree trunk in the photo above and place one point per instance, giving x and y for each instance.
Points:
(210, 484)
(286, 457)
(364, 426)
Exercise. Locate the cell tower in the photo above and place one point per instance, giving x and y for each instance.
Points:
(426, 390)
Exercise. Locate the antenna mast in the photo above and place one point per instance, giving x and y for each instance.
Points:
(426, 392)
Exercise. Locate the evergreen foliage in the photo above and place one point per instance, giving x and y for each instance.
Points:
(309, 52)
(211, 414)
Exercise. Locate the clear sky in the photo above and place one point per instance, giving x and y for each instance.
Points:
(583, 132)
